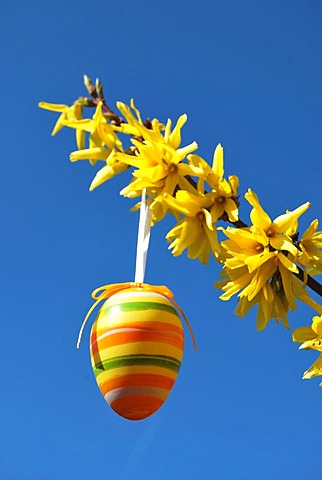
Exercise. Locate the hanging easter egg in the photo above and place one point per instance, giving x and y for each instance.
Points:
(136, 349)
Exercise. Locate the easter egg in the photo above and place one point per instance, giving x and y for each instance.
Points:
(136, 350)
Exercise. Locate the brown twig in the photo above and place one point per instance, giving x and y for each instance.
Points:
(96, 92)
(311, 282)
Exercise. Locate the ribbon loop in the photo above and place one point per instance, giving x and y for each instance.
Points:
(143, 236)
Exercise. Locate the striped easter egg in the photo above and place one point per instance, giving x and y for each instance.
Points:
(136, 350)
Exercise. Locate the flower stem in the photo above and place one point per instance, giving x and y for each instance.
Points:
(311, 282)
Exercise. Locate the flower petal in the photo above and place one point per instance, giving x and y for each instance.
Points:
(183, 152)
(311, 230)
(231, 209)
(286, 262)
(302, 334)
(287, 286)
(175, 136)
(285, 221)
(317, 325)
(315, 370)
(258, 216)
(218, 161)
(283, 242)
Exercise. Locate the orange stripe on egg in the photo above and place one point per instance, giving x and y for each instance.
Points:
(137, 335)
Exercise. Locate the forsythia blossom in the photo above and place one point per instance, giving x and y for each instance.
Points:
(195, 231)
(102, 137)
(260, 264)
(200, 210)
(311, 338)
(158, 159)
(67, 114)
(310, 247)
(224, 191)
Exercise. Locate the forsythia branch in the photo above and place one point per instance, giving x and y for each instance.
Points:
(265, 263)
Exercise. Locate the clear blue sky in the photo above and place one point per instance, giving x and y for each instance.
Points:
(249, 75)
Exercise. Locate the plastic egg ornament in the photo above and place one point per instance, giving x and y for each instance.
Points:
(136, 348)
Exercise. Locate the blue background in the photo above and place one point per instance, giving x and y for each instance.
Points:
(249, 75)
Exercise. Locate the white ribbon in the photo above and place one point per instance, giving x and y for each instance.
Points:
(143, 237)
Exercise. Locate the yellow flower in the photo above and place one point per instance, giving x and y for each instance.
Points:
(310, 245)
(311, 338)
(278, 231)
(224, 191)
(260, 264)
(270, 285)
(68, 114)
(102, 138)
(158, 160)
(195, 232)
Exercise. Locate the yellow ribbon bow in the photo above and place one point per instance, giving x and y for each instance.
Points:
(108, 290)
